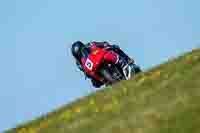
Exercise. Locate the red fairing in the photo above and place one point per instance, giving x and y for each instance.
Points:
(91, 64)
(107, 55)
(96, 57)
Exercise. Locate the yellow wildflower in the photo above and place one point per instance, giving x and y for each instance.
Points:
(141, 80)
(22, 130)
(32, 130)
(77, 110)
(92, 102)
(43, 124)
(157, 73)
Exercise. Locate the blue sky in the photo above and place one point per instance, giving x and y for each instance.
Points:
(37, 72)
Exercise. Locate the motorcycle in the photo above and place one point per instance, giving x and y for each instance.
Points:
(106, 72)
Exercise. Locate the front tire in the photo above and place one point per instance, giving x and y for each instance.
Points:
(96, 84)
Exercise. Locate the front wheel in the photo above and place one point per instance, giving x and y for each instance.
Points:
(96, 84)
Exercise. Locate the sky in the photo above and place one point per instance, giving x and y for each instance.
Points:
(37, 71)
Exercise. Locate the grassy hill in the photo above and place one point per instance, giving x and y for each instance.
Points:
(166, 99)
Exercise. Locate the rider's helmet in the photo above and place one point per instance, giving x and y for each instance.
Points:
(76, 49)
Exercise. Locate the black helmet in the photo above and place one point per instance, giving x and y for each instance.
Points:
(76, 49)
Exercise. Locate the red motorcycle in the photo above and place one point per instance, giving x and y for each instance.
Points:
(107, 72)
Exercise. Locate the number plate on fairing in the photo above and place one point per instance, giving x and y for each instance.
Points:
(89, 64)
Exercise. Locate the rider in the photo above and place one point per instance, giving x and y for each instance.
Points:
(80, 51)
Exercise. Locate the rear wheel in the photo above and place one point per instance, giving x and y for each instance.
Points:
(138, 70)
(135, 69)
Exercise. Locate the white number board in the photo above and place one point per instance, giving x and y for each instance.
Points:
(89, 64)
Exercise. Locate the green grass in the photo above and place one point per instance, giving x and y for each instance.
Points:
(166, 99)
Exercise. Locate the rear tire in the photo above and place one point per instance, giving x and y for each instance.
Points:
(135, 69)
(138, 70)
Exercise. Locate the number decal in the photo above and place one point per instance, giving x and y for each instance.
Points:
(89, 64)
